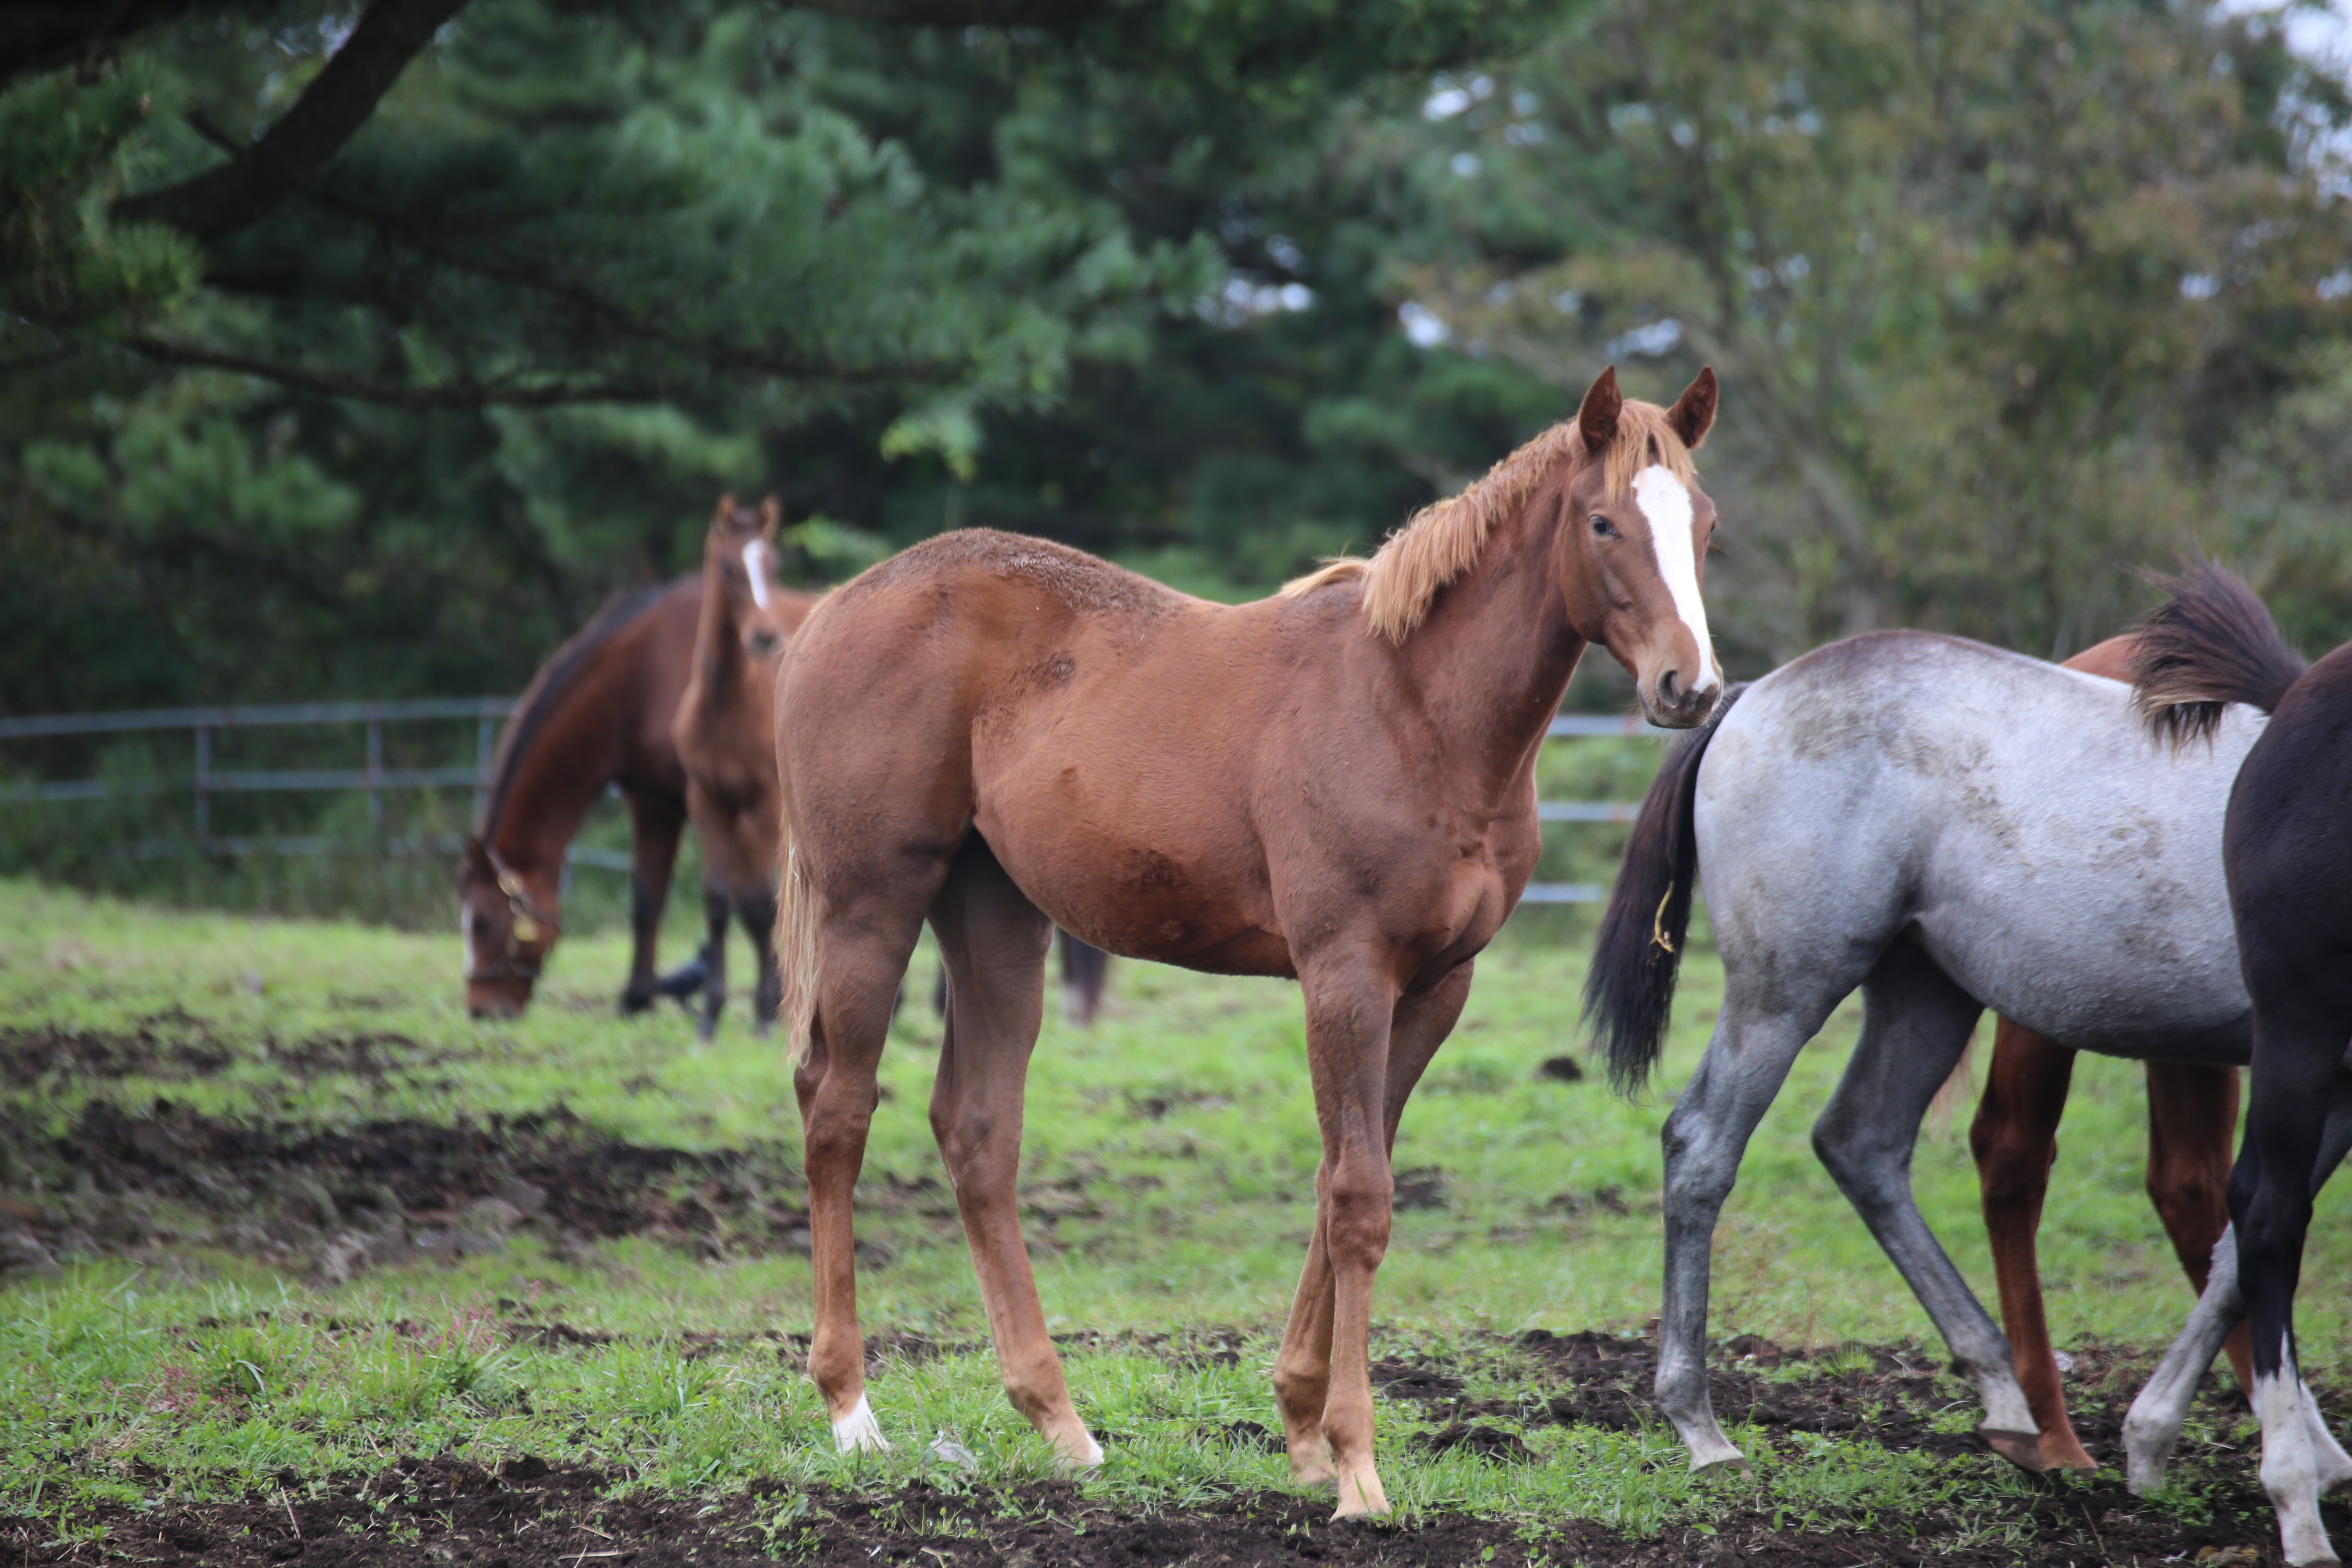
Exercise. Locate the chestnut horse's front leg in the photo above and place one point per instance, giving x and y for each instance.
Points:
(1351, 1007)
(1302, 1372)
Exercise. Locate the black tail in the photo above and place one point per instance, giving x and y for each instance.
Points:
(2212, 644)
(1630, 993)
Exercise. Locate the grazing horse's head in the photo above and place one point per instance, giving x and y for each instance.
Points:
(1632, 543)
(508, 927)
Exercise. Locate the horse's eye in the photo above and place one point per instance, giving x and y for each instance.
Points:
(481, 925)
(1603, 528)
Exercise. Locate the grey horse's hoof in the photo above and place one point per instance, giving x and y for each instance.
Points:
(1722, 1469)
(2023, 1450)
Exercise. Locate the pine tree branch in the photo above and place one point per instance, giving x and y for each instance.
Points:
(253, 184)
(1054, 15)
(463, 392)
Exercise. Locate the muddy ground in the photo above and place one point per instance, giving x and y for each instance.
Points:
(157, 1184)
(430, 1513)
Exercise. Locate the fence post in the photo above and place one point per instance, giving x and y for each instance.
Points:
(375, 770)
(204, 786)
(485, 743)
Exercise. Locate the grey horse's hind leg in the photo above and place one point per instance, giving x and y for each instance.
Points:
(1916, 1023)
(1705, 1137)
(2152, 1427)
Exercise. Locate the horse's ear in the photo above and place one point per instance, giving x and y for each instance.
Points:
(1693, 414)
(772, 517)
(476, 858)
(1597, 416)
(725, 510)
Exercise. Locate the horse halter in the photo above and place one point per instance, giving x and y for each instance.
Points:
(526, 922)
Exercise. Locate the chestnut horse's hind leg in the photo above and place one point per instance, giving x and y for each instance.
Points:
(2014, 1139)
(863, 943)
(992, 943)
(1302, 1372)
(2192, 1121)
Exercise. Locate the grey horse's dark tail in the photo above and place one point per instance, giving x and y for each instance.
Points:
(1630, 993)
(2212, 644)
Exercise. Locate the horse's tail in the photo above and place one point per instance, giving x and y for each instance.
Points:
(796, 952)
(1630, 993)
(2212, 644)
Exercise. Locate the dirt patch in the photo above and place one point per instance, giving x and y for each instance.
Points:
(528, 1513)
(167, 1046)
(336, 1202)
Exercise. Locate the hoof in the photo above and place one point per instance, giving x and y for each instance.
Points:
(1722, 1469)
(1316, 1473)
(2023, 1450)
(2073, 1456)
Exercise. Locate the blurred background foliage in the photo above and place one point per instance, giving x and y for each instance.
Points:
(376, 382)
(361, 351)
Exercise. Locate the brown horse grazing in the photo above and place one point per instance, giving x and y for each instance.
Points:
(721, 732)
(1336, 784)
(597, 714)
(2192, 1115)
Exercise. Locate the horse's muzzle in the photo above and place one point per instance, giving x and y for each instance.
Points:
(1670, 705)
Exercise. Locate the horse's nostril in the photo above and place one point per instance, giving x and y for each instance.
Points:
(478, 1012)
(1666, 692)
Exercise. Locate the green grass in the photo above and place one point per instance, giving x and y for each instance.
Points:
(1175, 1146)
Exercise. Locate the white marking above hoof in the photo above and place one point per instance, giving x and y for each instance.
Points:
(858, 1432)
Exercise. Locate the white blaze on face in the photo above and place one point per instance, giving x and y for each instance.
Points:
(755, 563)
(466, 936)
(1666, 503)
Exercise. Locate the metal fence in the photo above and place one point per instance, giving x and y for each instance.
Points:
(206, 782)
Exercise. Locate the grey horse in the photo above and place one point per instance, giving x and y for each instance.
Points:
(1950, 827)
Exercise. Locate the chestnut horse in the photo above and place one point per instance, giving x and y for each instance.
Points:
(2287, 855)
(1335, 784)
(2193, 1114)
(721, 732)
(596, 715)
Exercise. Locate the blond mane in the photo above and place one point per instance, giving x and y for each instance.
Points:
(1444, 539)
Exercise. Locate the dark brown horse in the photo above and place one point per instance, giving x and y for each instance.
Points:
(2286, 851)
(1337, 785)
(723, 734)
(2193, 1114)
(597, 715)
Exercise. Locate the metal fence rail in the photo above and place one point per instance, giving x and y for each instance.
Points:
(375, 778)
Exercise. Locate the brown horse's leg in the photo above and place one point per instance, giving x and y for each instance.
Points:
(2192, 1119)
(992, 942)
(1084, 968)
(655, 823)
(2015, 1140)
(1302, 1372)
(714, 958)
(863, 943)
(757, 913)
